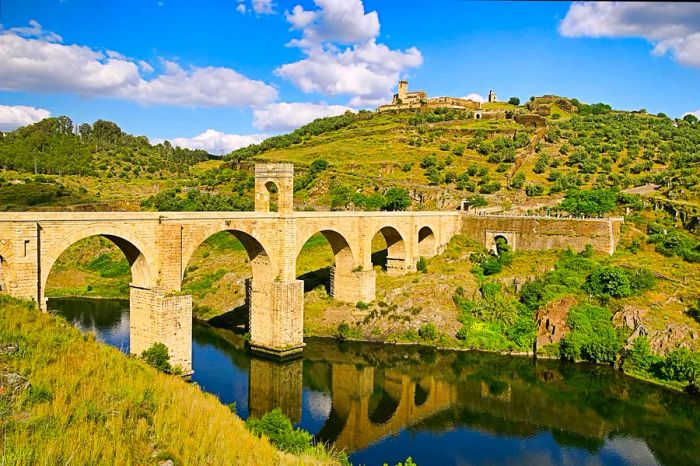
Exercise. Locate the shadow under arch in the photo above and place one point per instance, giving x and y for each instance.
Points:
(343, 258)
(133, 248)
(427, 245)
(392, 258)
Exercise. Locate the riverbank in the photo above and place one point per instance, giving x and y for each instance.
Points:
(65, 398)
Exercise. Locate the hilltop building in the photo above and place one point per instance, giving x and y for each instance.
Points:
(404, 100)
(492, 97)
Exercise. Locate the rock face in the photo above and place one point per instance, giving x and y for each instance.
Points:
(12, 383)
(631, 317)
(551, 321)
(672, 337)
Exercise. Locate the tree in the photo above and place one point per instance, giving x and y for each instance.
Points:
(590, 202)
(158, 357)
(690, 118)
(476, 201)
(396, 199)
(514, 101)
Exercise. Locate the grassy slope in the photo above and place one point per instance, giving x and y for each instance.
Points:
(125, 412)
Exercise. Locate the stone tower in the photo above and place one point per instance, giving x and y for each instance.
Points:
(403, 90)
(492, 96)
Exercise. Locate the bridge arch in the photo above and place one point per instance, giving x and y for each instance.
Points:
(334, 278)
(261, 262)
(136, 251)
(394, 260)
(427, 244)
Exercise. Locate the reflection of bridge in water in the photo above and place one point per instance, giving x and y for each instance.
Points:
(368, 404)
(379, 391)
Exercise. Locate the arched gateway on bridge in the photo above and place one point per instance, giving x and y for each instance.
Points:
(158, 246)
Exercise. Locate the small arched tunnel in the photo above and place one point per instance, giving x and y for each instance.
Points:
(319, 254)
(389, 250)
(272, 196)
(96, 265)
(220, 275)
(500, 245)
(427, 244)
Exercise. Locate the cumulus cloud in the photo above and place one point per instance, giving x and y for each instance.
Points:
(286, 116)
(215, 142)
(672, 27)
(14, 116)
(31, 62)
(339, 21)
(475, 97)
(696, 113)
(342, 53)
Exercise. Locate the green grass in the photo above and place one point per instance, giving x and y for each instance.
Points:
(90, 404)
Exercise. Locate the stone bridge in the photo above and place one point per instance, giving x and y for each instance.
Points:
(158, 246)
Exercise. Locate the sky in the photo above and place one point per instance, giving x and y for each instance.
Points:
(222, 74)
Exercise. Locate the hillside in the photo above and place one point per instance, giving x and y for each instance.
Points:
(587, 160)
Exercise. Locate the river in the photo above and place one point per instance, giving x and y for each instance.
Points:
(382, 403)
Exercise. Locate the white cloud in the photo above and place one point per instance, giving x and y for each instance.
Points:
(363, 69)
(215, 142)
(340, 21)
(241, 8)
(696, 113)
(40, 65)
(14, 116)
(475, 97)
(672, 27)
(287, 116)
(264, 7)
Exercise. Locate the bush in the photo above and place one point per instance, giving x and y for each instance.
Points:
(609, 282)
(362, 305)
(422, 265)
(157, 356)
(343, 331)
(593, 337)
(428, 332)
(590, 202)
(396, 199)
(279, 429)
(681, 365)
(514, 101)
(640, 356)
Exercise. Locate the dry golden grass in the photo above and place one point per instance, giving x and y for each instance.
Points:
(90, 404)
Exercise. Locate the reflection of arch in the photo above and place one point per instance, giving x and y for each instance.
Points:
(420, 395)
(382, 406)
(395, 249)
(131, 246)
(426, 242)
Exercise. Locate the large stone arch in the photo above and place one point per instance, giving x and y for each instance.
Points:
(396, 246)
(135, 249)
(342, 249)
(262, 263)
(427, 242)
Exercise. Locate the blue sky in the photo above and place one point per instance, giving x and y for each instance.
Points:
(243, 69)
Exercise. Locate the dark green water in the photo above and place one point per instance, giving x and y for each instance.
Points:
(384, 403)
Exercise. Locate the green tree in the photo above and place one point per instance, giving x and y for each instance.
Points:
(157, 356)
(396, 199)
(514, 101)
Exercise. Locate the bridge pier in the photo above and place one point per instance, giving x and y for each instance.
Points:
(277, 317)
(352, 287)
(156, 316)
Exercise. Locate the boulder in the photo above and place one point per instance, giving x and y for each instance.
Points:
(8, 348)
(551, 321)
(629, 316)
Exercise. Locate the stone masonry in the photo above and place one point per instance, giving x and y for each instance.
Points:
(158, 246)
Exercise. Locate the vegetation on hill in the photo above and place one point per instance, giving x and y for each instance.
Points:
(589, 161)
(124, 413)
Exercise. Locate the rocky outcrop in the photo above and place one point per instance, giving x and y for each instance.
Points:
(672, 337)
(551, 321)
(12, 383)
(531, 120)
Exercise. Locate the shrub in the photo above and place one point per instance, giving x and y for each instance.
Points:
(422, 265)
(278, 428)
(681, 365)
(157, 356)
(428, 332)
(640, 356)
(593, 337)
(362, 305)
(396, 199)
(609, 282)
(514, 101)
